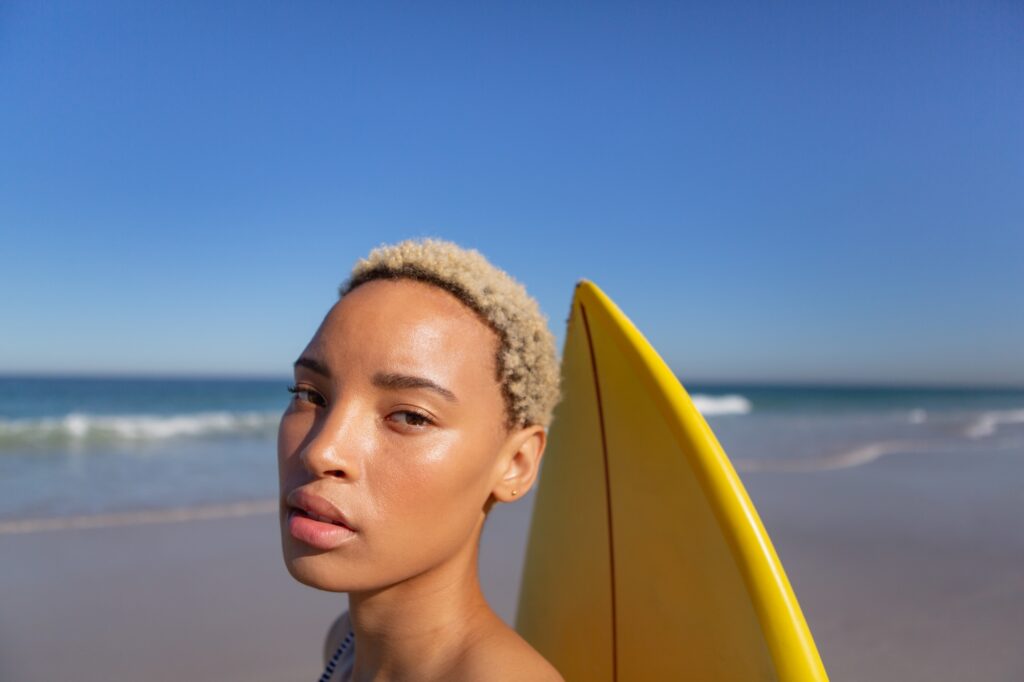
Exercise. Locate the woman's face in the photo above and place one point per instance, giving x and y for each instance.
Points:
(398, 426)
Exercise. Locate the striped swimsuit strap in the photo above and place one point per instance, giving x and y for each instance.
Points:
(333, 663)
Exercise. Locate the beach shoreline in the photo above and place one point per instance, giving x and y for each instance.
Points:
(908, 568)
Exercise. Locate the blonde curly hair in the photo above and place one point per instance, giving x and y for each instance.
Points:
(528, 369)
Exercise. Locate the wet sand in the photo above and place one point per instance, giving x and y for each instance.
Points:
(908, 568)
(195, 600)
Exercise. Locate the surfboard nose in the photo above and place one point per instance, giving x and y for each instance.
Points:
(647, 559)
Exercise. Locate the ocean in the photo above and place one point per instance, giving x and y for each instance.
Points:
(73, 447)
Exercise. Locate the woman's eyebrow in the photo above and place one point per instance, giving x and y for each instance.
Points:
(313, 365)
(396, 381)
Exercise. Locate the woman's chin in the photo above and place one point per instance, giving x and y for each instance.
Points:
(315, 572)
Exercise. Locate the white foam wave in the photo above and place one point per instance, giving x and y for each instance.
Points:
(846, 459)
(988, 422)
(717, 405)
(917, 416)
(79, 427)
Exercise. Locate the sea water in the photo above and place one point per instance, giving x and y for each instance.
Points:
(74, 447)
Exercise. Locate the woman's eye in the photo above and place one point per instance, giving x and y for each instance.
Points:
(410, 418)
(307, 395)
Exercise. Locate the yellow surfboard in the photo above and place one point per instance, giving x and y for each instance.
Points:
(646, 559)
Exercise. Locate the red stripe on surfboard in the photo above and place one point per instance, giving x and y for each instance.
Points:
(607, 493)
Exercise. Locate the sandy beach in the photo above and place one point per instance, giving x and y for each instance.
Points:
(908, 568)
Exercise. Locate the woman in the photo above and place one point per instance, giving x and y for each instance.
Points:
(423, 398)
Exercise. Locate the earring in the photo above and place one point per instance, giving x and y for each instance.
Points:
(515, 492)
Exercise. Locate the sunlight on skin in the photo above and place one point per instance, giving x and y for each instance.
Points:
(398, 421)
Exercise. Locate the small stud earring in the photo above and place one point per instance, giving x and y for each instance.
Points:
(515, 492)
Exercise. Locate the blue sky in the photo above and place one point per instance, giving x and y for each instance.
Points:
(809, 192)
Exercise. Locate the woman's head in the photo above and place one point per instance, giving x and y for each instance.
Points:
(527, 368)
(422, 398)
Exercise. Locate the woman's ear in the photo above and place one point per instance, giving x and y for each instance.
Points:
(520, 462)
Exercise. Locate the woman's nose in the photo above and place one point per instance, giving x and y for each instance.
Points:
(333, 447)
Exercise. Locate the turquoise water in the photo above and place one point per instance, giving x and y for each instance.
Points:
(71, 446)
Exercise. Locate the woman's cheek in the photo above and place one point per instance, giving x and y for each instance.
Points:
(286, 442)
(430, 491)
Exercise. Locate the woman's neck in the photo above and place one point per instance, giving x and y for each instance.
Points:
(419, 628)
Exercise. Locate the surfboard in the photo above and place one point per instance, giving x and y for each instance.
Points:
(646, 559)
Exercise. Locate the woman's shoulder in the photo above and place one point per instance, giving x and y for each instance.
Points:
(504, 655)
(499, 654)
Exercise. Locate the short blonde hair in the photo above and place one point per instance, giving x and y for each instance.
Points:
(527, 362)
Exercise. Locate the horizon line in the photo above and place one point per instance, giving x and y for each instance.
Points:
(702, 381)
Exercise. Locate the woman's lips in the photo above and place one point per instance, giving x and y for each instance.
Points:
(317, 507)
(319, 534)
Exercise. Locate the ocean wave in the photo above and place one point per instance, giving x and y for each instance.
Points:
(91, 428)
(983, 426)
(858, 456)
(718, 405)
(987, 423)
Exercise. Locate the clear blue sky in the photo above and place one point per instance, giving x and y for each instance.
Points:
(803, 191)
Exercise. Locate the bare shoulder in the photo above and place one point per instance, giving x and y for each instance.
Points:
(335, 633)
(504, 655)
